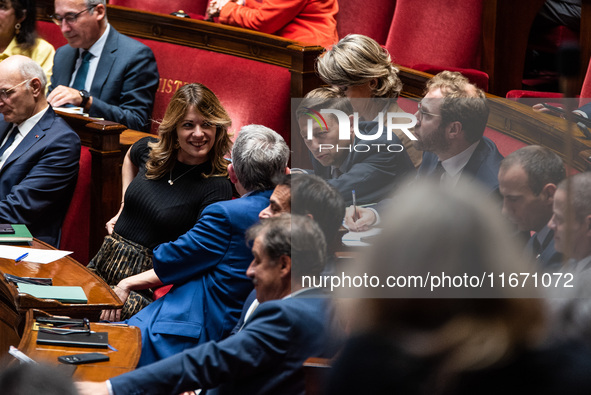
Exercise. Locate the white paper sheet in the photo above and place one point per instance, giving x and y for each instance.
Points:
(35, 255)
(353, 239)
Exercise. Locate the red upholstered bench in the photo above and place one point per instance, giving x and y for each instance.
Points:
(505, 143)
(51, 33)
(370, 18)
(163, 290)
(76, 226)
(438, 35)
(477, 77)
(251, 91)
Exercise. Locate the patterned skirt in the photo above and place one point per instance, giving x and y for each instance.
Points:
(120, 258)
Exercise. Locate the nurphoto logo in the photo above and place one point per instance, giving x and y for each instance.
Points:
(392, 120)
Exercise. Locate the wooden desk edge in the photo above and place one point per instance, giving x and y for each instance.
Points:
(28, 346)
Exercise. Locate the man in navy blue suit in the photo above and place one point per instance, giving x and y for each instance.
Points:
(108, 74)
(528, 179)
(39, 153)
(310, 195)
(451, 120)
(577, 227)
(207, 265)
(266, 356)
(450, 125)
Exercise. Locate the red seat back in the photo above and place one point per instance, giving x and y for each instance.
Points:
(370, 18)
(251, 91)
(195, 8)
(436, 32)
(505, 143)
(586, 88)
(477, 77)
(51, 33)
(76, 226)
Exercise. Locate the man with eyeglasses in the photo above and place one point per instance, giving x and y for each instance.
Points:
(451, 120)
(109, 75)
(450, 125)
(39, 152)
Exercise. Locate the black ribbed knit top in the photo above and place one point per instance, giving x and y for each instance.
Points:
(156, 212)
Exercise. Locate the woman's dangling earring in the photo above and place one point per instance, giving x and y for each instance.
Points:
(17, 28)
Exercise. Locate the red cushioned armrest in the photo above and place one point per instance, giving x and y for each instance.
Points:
(523, 94)
(163, 290)
(477, 77)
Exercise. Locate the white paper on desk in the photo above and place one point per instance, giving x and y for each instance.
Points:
(36, 255)
(353, 239)
(71, 110)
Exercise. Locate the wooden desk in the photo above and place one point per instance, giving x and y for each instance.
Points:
(316, 371)
(125, 339)
(65, 271)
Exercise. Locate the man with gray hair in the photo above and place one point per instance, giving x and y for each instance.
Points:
(527, 182)
(207, 265)
(109, 75)
(578, 226)
(39, 152)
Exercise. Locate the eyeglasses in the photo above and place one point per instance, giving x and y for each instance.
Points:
(69, 18)
(423, 112)
(5, 93)
(67, 331)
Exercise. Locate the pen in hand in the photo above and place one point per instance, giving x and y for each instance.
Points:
(355, 217)
(20, 258)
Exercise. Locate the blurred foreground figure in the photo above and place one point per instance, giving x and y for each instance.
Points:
(33, 379)
(464, 345)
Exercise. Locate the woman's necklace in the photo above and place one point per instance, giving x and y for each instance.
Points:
(171, 181)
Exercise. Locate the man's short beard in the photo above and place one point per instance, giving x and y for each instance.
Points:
(435, 142)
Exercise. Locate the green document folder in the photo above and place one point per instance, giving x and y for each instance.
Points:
(60, 293)
(21, 234)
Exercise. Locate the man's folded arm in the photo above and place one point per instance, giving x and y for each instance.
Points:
(264, 339)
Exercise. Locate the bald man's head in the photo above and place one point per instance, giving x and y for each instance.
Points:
(22, 88)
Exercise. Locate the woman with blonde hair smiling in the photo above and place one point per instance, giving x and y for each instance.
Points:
(167, 182)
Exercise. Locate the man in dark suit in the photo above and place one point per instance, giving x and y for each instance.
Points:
(451, 120)
(207, 265)
(307, 194)
(266, 356)
(303, 194)
(371, 166)
(39, 153)
(527, 182)
(575, 227)
(108, 74)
